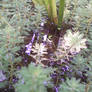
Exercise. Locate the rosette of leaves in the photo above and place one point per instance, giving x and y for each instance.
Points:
(72, 85)
(72, 42)
(39, 51)
(33, 79)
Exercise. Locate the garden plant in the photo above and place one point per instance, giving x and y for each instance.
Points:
(45, 45)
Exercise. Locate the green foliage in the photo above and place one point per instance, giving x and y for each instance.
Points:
(17, 17)
(80, 14)
(89, 72)
(51, 8)
(16, 13)
(78, 65)
(3, 84)
(72, 85)
(61, 12)
(39, 15)
(21, 15)
(9, 44)
(33, 79)
(9, 39)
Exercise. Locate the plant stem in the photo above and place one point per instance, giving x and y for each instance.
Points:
(61, 12)
(87, 87)
(49, 10)
(54, 11)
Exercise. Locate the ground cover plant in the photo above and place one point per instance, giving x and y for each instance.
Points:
(45, 45)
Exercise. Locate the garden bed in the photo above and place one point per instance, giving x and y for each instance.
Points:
(45, 49)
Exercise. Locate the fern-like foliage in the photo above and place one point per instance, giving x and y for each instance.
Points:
(22, 15)
(9, 44)
(33, 79)
(17, 17)
(38, 17)
(39, 50)
(72, 85)
(78, 65)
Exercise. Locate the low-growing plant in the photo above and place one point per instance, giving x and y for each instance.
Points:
(21, 15)
(33, 79)
(39, 50)
(71, 43)
(17, 18)
(72, 85)
(9, 45)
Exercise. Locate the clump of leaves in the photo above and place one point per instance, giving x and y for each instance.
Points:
(38, 17)
(39, 50)
(9, 45)
(33, 79)
(22, 15)
(70, 43)
(73, 41)
(72, 85)
(17, 17)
